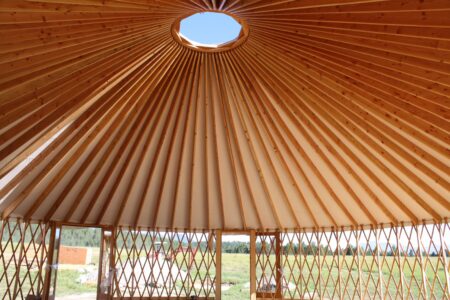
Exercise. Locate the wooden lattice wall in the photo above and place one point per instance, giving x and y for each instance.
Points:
(404, 262)
(23, 258)
(164, 264)
(383, 262)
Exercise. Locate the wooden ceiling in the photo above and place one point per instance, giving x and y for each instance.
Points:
(331, 113)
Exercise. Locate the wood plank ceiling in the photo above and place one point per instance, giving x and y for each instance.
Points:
(331, 113)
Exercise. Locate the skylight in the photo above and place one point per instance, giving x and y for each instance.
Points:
(209, 29)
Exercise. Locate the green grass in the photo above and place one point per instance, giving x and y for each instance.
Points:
(235, 271)
(67, 284)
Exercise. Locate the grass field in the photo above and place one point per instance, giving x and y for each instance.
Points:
(235, 276)
(236, 269)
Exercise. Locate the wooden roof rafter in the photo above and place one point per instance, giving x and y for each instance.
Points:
(325, 114)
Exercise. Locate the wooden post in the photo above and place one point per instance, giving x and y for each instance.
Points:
(318, 254)
(218, 265)
(52, 263)
(104, 270)
(444, 255)
(2, 228)
(134, 262)
(300, 257)
(422, 264)
(22, 228)
(380, 271)
(399, 261)
(100, 266)
(112, 263)
(46, 288)
(252, 265)
(358, 250)
(278, 274)
(338, 235)
(42, 259)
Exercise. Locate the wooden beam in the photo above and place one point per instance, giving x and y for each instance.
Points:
(112, 117)
(101, 270)
(112, 262)
(22, 227)
(443, 253)
(218, 280)
(105, 264)
(52, 263)
(252, 265)
(278, 272)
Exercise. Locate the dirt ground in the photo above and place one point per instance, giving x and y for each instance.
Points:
(87, 296)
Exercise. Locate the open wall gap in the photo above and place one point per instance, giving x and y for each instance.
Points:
(78, 263)
(235, 266)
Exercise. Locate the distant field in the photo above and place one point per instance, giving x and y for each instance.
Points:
(235, 275)
(235, 269)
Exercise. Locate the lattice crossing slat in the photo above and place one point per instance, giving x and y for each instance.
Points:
(164, 264)
(23, 258)
(383, 262)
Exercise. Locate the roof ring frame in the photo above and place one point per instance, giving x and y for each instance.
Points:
(239, 40)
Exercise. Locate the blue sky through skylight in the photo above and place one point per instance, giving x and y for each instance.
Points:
(209, 28)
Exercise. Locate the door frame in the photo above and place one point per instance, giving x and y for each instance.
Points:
(253, 234)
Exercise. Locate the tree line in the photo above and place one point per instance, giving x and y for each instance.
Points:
(90, 237)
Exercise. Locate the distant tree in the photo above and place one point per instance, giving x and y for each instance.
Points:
(236, 247)
(81, 237)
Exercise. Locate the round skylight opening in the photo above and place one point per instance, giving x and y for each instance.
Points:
(210, 31)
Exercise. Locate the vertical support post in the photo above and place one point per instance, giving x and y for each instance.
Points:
(398, 254)
(52, 263)
(133, 259)
(2, 227)
(300, 250)
(422, 264)
(338, 238)
(444, 257)
(380, 271)
(278, 271)
(358, 259)
(318, 254)
(112, 263)
(104, 270)
(188, 253)
(171, 262)
(42, 259)
(22, 228)
(252, 265)
(218, 265)
(2, 253)
(100, 275)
